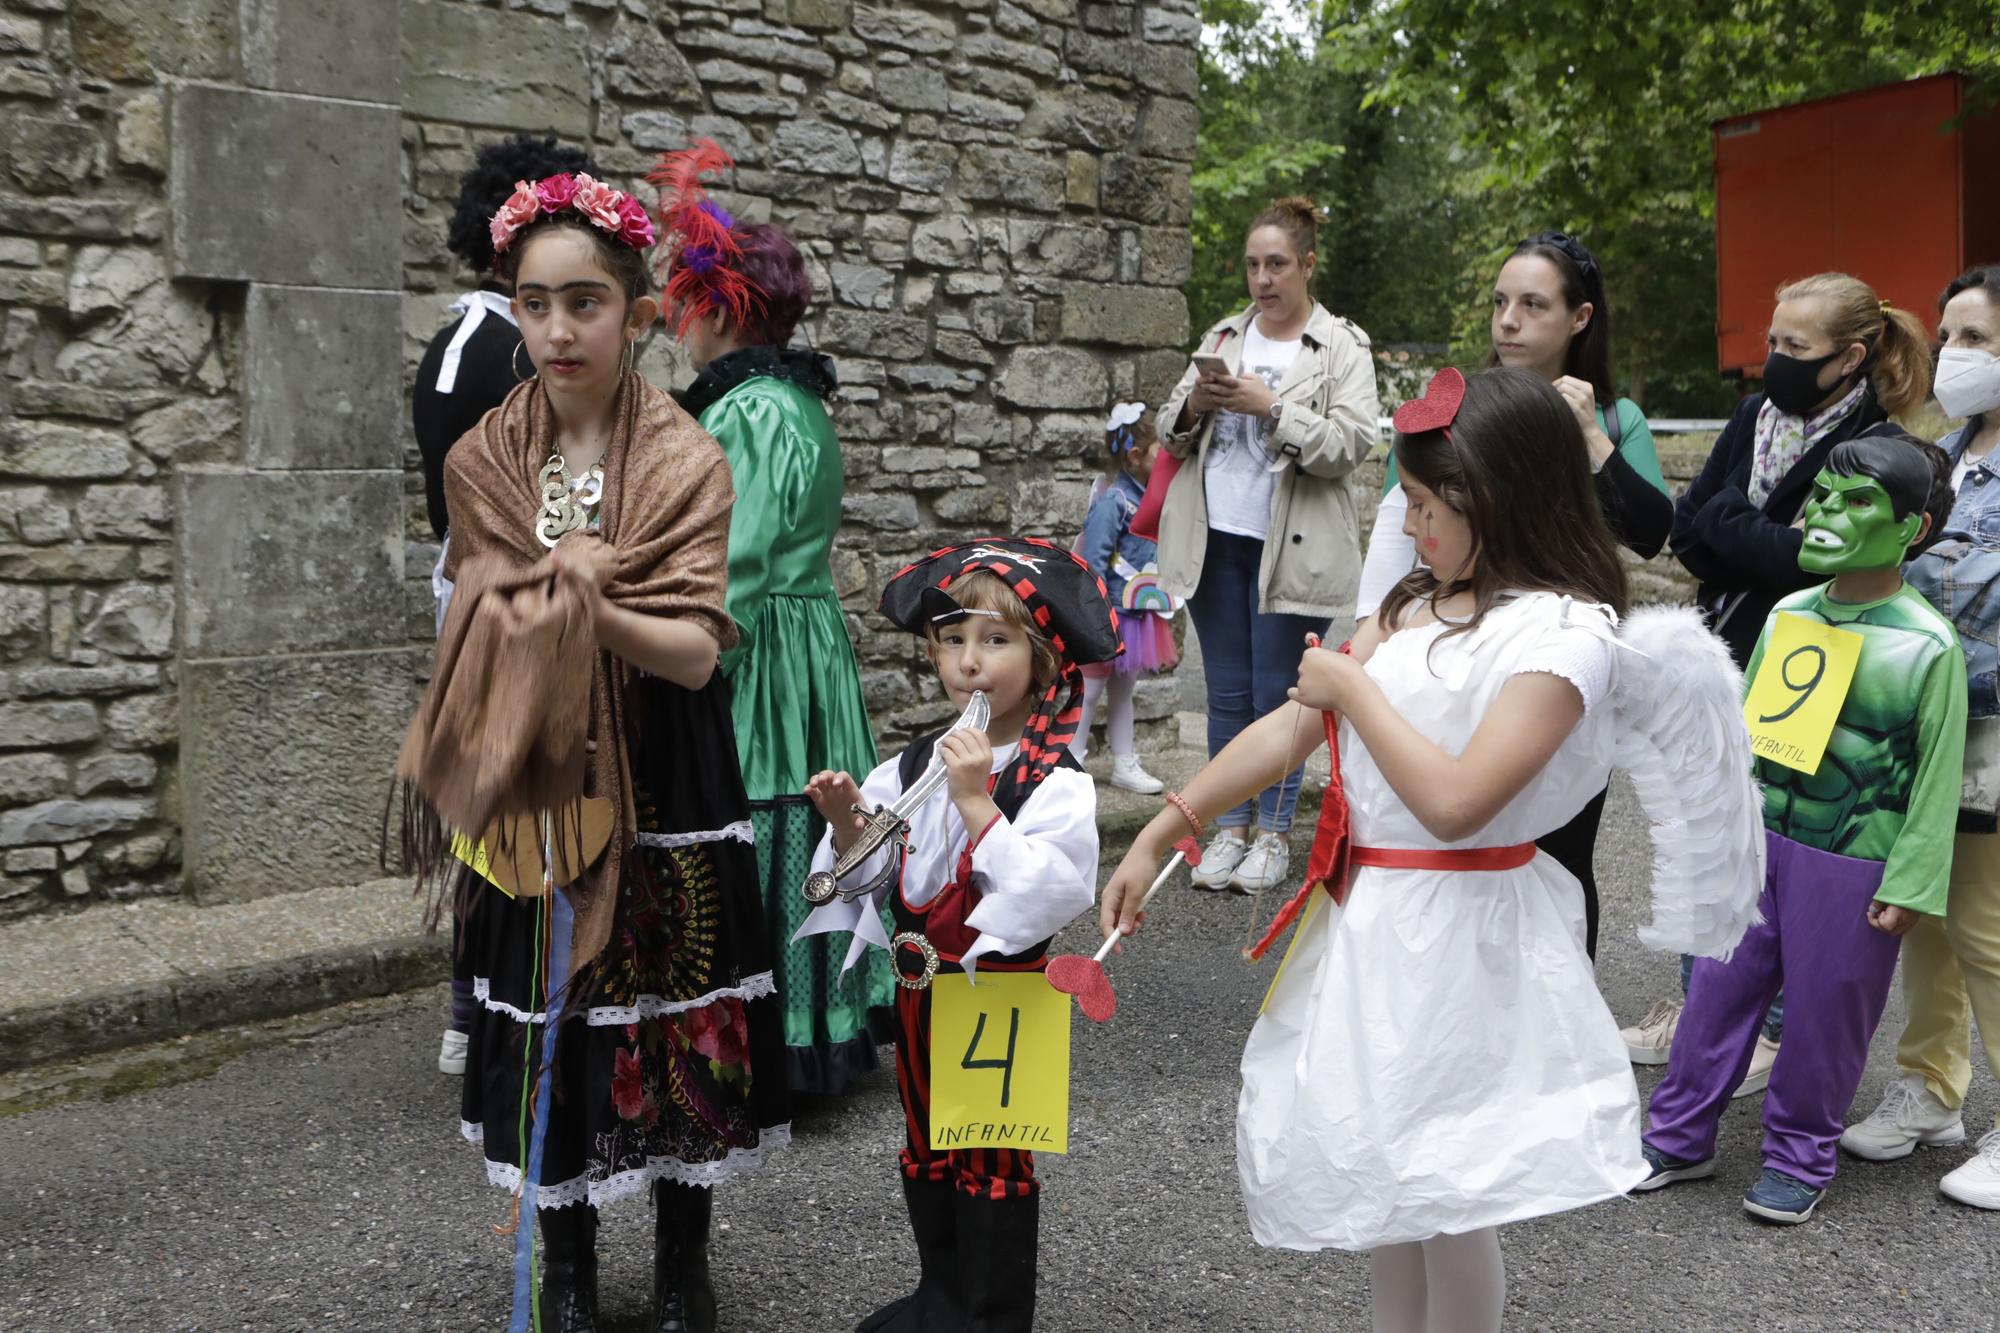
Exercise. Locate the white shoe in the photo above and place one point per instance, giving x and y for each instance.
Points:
(1264, 865)
(1225, 851)
(1758, 1077)
(1978, 1181)
(1652, 1039)
(451, 1055)
(1126, 773)
(1909, 1115)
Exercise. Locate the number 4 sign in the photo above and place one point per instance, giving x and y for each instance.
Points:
(999, 1062)
(1801, 682)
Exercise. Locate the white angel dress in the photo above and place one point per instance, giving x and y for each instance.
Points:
(1435, 1057)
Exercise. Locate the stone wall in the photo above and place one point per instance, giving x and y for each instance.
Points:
(213, 608)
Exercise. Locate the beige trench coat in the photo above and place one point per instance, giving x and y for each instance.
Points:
(1312, 551)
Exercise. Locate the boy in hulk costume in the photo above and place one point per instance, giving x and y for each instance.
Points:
(1855, 850)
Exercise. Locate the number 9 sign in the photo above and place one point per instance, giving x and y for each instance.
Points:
(999, 1062)
(1801, 681)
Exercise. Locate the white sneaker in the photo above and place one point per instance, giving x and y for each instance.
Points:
(1908, 1115)
(1264, 865)
(1126, 773)
(1652, 1040)
(1978, 1181)
(1758, 1077)
(1225, 851)
(451, 1055)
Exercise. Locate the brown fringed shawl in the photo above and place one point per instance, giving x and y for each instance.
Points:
(523, 714)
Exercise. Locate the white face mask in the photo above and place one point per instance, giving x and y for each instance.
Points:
(1968, 381)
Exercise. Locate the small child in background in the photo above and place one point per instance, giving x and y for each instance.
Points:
(1127, 564)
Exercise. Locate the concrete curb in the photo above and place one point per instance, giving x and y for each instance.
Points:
(112, 1020)
(108, 1021)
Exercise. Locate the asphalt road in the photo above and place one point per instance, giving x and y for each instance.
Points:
(319, 1182)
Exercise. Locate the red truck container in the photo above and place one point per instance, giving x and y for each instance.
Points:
(1889, 184)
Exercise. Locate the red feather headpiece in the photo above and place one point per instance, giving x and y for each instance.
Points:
(700, 265)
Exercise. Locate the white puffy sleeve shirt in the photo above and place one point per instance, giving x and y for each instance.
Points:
(1035, 873)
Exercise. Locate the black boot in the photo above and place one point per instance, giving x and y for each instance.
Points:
(683, 1297)
(996, 1256)
(569, 1269)
(934, 1306)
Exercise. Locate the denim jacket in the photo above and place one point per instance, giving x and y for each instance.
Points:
(1960, 575)
(1107, 532)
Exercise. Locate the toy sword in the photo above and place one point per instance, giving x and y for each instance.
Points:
(890, 823)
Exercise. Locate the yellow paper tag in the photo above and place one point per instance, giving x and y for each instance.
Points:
(1802, 680)
(474, 855)
(1291, 946)
(999, 1062)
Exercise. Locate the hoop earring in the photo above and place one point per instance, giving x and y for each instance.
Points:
(515, 357)
(627, 358)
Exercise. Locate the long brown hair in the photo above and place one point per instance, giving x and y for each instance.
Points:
(1515, 465)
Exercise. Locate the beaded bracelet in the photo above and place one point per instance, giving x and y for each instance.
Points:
(1179, 802)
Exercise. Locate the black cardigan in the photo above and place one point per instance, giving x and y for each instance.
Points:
(1638, 513)
(1747, 556)
(485, 376)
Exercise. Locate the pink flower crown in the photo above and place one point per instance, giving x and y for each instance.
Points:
(607, 209)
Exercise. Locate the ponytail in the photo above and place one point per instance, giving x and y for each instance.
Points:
(1898, 364)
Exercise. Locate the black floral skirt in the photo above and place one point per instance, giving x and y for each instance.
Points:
(672, 1065)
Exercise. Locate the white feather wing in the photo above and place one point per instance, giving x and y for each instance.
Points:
(1680, 735)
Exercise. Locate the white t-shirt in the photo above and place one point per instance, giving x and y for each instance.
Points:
(1237, 474)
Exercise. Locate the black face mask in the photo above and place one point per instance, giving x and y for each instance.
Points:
(1793, 385)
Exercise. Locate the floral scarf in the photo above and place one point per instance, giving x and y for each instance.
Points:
(1782, 439)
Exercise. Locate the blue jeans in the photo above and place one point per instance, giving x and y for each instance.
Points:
(1252, 659)
(1774, 1017)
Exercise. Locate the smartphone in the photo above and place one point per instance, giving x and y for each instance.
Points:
(1208, 363)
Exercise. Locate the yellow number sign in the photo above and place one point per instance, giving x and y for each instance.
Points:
(1801, 682)
(999, 1062)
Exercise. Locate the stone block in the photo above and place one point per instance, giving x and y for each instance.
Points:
(142, 133)
(913, 87)
(26, 778)
(146, 722)
(323, 378)
(1167, 128)
(70, 219)
(104, 279)
(863, 285)
(921, 164)
(1080, 183)
(1166, 255)
(125, 513)
(904, 28)
(894, 512)
(71, 681)
(1170, 25)
(1147, 190)
(53, 398)
(302, 743)
(131, 772)
(31, 860)
(817, 147)
(1070, 252)
(892, 336)
(188, 429)
(67, 821)
(1013, 176)
(277, 562)
(1052, 377)
(1172, 70)
(68, 563)
(31, 514)
(646, 66)
(141, 41)
(1003, 320)
(351, 49)
(23, 612)
(28, 726)
(267, 187)
(48, 155)
(1095, 312)
(57, 451)
(661, 130)
(945, 242)
(493, 67)
(134, 621)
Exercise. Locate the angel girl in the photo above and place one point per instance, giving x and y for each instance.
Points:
(1483, 707)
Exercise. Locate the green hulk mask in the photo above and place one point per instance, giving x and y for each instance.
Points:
(1867, 506)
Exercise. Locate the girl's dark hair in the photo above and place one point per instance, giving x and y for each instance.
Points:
(491, 180)
(1515, 465)
(1589, 355)
(1297, 217)
(772, 262)
(1985, 276)
(626, 265)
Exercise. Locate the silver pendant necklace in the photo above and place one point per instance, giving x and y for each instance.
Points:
(567, 502)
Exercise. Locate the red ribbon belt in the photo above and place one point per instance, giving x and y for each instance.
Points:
(1444, 858)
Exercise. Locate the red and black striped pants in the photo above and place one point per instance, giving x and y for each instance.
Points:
(989, 1173)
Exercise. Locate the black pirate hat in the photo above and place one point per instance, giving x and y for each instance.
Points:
(1069, 605)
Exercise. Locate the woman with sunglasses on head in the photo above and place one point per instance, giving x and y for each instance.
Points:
(1550, 316)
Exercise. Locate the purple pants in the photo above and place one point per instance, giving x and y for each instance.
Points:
(1835, 968)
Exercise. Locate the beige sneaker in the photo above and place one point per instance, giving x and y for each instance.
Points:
(1264, 865)
(1650, 1042)
(1225, 851)
(1758, 1077)
(1977, 1182)
(1908, 1117)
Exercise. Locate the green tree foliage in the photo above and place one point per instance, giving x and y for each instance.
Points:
(1438, 132)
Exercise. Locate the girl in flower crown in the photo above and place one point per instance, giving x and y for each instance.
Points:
(625, 1039)
(1117, 556)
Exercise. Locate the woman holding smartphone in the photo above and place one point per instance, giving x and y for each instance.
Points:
(1279, 407)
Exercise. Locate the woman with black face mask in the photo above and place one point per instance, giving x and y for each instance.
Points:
(1841, 360)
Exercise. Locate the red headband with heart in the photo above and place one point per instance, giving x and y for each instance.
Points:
(1437, 409)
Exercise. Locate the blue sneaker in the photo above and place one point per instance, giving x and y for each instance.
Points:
(1667, 1170)
(1777, 1197)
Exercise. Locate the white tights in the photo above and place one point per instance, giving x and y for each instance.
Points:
(1447, 1284)
(1117, 722)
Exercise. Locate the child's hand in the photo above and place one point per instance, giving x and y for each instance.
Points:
(1327, 680)
(834, 795)
(968, 762)
(1891, 919)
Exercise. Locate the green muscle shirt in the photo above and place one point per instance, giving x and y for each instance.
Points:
(1887, 787)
